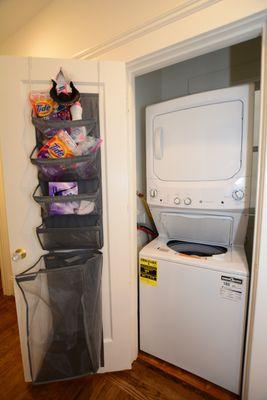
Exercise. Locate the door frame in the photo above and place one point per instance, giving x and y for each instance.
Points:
(5, 260)
(234, 33)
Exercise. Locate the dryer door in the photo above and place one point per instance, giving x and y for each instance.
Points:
(202, 143)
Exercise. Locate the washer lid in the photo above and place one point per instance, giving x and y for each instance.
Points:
(198, 228)
(196, 249)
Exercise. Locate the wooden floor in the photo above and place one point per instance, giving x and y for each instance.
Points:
(144, 382)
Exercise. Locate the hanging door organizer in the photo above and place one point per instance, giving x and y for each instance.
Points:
(82, 228)
(80, 224)
(62, 291)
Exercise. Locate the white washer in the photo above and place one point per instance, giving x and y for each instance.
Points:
(193, 310)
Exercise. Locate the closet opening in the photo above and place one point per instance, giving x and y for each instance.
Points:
(197, 127)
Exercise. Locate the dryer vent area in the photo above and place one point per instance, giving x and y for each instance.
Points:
(231, 66)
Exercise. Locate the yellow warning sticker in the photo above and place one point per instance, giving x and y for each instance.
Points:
(149, 271)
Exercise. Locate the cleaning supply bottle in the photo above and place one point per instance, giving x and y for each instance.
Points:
(78, 134)
(76, 111)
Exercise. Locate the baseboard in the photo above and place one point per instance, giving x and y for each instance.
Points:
(188, 378)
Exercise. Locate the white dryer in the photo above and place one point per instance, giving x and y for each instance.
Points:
(199, 150)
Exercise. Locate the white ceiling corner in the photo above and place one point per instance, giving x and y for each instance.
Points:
(14, 14)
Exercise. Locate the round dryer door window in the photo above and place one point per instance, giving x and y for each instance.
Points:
(196, 249)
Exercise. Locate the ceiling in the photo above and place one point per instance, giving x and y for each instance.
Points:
(11, 20)
(65, 28)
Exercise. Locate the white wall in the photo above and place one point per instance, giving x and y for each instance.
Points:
(64, 28)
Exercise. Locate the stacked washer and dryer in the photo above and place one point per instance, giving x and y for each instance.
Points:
(194, 276)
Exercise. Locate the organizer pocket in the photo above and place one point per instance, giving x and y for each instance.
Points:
(80, 204)
(46, 129)
(85, 237)
(62, 293)
(72, 221)
(84, 186)
(72, 168)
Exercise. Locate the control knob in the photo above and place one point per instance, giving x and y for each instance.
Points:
(153, 192)
(187, 201)
(176, 200)
(238, 194)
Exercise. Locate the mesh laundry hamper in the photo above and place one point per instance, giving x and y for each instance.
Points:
(62, 292)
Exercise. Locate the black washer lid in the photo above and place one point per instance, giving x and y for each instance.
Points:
(196, 249)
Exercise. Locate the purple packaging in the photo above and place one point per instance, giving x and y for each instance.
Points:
(63, 189)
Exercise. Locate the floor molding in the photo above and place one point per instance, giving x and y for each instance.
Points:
(190, 379)
(185, 9)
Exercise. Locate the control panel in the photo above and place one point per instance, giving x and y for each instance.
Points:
(228, 198)
(238, 194)
(187, 201)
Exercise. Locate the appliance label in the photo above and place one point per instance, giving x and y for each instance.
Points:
(231, 288)
(148, 271)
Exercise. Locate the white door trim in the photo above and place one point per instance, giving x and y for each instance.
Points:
(5, 260)
(258, 262)
(224, 36)
(213, 40)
